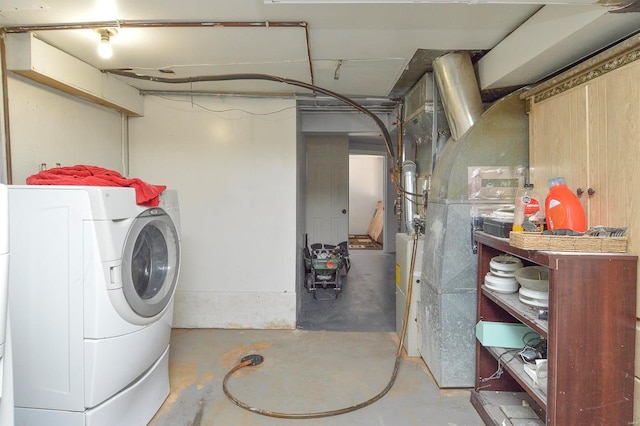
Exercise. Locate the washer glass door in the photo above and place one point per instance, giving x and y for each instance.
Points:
(150, 262)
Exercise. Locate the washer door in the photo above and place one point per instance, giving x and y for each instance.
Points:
(150, 262)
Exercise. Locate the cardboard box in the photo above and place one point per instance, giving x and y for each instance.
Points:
(375, 227)
(504, 334)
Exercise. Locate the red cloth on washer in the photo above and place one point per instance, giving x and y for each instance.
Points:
(146, 194)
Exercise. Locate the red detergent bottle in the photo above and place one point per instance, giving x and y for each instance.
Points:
(562, 207)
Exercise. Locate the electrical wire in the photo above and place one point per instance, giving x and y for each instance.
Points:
(532, 340)
(221, 111)
(498, 373)
(251, 360)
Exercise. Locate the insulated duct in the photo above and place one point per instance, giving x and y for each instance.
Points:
(459, 91)
(423, 126)
(448, 284)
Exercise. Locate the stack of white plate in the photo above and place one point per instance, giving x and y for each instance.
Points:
(504, 265)
(538, 299)
(501, 276)
(534, 282)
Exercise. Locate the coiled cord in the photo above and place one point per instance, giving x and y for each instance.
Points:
(252, 360)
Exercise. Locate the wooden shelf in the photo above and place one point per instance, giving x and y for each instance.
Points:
(514, 365)
(545, 258)
(491, 405)
(526, 314)
(590, 328)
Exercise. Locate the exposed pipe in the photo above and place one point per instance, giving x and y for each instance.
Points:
(124, 143)
(401, 156)
(205, 24)
(167, 24)
(409, 184)
(251, 76)
(236, 24)
(128, 24)
(5, 108)
(306, 35)
(153, 24)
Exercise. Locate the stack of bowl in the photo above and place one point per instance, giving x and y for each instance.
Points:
(501, 276)
(534, 282)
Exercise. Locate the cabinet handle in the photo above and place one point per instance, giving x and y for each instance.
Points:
(579, 192)
(591, 191)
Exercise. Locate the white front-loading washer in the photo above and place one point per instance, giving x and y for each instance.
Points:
(92, 285)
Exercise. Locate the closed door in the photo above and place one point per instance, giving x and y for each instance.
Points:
(327, 219)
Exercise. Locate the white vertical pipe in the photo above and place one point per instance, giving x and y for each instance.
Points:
(408, 201)
(124, 140)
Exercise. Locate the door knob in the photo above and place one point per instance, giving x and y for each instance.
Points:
(591, 191)
(344, 211)
(579, 192)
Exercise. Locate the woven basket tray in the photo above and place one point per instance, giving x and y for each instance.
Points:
(536, 241)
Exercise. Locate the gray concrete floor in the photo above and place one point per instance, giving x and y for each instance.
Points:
(342, 354)
(367, 301)
(303, 371)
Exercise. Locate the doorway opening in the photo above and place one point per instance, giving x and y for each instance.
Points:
(366, 202)
(366, 302)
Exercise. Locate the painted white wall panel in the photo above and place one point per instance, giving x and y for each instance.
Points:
(48, 126)
(233, 162)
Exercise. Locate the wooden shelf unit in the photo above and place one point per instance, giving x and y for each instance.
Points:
(590, 336)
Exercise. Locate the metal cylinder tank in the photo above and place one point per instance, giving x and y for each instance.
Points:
(459, 91)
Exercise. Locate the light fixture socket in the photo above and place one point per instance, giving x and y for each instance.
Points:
(104, 48)
(107, 32)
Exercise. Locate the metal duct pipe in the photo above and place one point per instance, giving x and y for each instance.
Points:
(409, 201)
(459, 91)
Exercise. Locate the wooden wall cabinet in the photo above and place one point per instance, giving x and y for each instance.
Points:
(590, 335)
(585, 126)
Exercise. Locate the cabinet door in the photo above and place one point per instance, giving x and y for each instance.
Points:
(558, 140)
(614, 111)
(591, 135)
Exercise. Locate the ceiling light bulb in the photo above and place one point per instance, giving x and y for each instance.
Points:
(104, 48)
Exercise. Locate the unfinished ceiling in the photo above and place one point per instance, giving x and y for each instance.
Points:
(370, 52)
